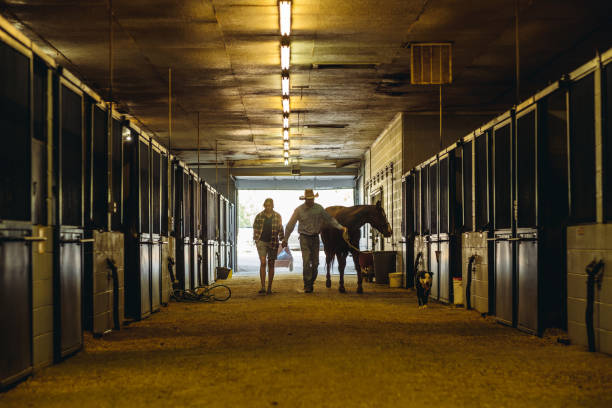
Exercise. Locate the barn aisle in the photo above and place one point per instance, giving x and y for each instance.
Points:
(323, 349)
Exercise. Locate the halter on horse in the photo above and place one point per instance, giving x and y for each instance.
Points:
(352, 218)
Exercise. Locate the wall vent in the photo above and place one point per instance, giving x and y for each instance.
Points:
(431, 63)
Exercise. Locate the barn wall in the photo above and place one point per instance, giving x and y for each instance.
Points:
(386, 151)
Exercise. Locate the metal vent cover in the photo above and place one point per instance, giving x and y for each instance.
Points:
(431, 63)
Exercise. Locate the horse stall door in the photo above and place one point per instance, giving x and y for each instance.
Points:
(527, 285)
(15, 216)
(444, 268)
(179, 227)
(156, 250)
(69, 237)
(527, 274)
(434, 266)
(434, 238)
(504, 243)
(156, 241)
(145, 244)
(15, 305)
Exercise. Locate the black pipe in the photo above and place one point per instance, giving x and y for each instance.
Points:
(594, 272)
(115, 276)
(468, 287)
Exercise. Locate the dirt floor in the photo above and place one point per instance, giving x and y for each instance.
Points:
(324, 349)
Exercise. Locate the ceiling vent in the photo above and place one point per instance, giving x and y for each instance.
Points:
(431, 63)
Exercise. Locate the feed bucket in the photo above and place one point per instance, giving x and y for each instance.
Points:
(395, 279)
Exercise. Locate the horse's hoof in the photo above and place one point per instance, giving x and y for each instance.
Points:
(341, 289)
(359, 289)
(328, 284)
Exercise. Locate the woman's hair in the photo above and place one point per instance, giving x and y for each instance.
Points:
(268, 200)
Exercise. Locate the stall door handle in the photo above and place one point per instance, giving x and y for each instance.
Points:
(35, 239)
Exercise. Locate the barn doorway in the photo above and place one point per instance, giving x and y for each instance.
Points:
(250, 203)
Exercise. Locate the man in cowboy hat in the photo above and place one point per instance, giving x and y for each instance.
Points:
(311, 218)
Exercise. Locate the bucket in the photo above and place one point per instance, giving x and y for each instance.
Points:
(223, 272)
(395, 279)
(457, 291)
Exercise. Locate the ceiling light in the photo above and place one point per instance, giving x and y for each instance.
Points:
(286, 162)
(285, 56)
(286, 145)
(285, 17)
(286, 122)
(285, 84)
(286, 154)
(285, 134)
(127, 134)
(285, 104)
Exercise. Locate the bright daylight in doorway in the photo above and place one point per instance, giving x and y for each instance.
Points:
(250, 202)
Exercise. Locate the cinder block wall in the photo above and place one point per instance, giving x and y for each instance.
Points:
(42, 298)
(387, 149)
(584, 244)
(475, 243)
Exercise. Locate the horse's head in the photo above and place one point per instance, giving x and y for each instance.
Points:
(379, 220)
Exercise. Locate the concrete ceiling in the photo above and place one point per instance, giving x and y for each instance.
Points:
(224, 56)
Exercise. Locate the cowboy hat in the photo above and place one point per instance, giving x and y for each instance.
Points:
(308, 194)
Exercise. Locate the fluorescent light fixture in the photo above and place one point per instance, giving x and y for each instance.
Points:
(286, 162)
(285, 17)
(286, 122)
(286, 145)
(285, 134)
(285, 56)
(286, 104)
(285, 84)
(286, 154)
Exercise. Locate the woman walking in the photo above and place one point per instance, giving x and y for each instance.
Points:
(267, 232)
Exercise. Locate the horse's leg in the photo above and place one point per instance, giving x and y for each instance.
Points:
(358, 269)
(341, 266)
(329, 257)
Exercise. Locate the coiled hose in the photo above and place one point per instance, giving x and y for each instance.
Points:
(468, 287)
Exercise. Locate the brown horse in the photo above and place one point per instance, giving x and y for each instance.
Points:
(352, 218)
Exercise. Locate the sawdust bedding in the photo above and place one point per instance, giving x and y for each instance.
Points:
(322, 349)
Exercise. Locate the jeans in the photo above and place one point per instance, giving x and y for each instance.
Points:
(309, 245)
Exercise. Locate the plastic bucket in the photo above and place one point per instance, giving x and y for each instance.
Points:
(395, 279)
(457, 291)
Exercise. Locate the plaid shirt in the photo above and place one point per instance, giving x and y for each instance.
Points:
(277, 227)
